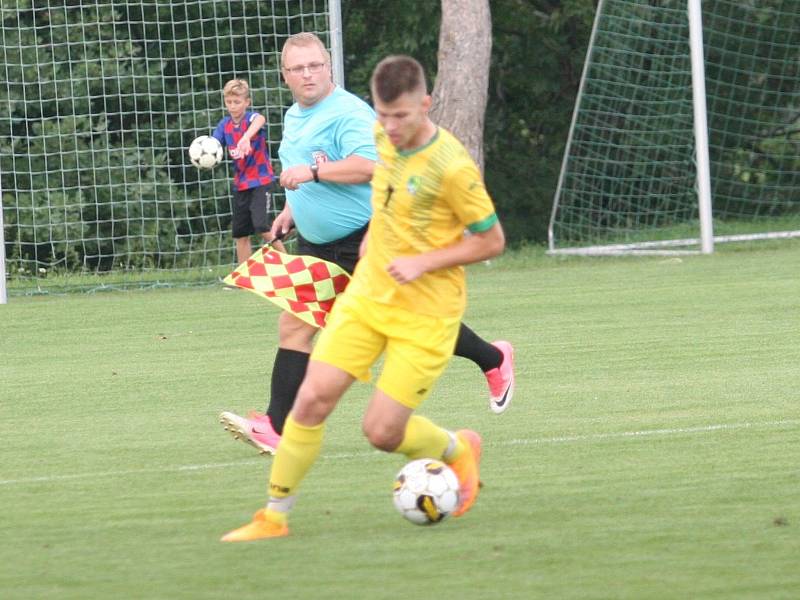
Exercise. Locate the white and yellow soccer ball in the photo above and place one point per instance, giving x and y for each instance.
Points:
(205, 152)
(426, 491)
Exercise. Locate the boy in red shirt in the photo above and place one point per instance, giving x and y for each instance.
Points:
(241, 133)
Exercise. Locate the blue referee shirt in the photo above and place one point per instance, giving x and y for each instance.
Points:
(338, 126)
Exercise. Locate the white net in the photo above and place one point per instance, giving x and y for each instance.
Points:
(629, 174)
(99, 103)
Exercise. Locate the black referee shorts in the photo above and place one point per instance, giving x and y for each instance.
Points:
(343, 252)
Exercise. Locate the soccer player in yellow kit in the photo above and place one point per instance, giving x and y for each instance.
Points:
(406, 300)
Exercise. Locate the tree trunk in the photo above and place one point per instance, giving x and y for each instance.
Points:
(462, 82)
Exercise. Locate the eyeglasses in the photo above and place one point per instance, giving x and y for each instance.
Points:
(313, 68)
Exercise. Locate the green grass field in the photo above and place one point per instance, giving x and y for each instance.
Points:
(651, 450)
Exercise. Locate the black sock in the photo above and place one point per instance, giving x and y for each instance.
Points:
(482, 353)
(287, 375)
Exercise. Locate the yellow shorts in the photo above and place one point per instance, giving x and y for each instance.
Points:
(417, 347)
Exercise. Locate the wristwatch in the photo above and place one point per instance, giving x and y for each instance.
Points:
(315, 171)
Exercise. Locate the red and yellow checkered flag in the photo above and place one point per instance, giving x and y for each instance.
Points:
(302, 285)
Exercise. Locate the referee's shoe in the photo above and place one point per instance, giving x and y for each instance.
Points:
(501, 379)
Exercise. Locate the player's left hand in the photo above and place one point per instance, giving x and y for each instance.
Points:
(405, 269)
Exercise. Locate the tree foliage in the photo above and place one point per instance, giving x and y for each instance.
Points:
(538, 50)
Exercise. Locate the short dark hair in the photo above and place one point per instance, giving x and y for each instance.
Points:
(396, 75)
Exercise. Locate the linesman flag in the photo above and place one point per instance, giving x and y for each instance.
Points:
(302, 285)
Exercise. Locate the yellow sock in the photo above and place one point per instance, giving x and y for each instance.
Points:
(454, 453)
(276, 516)
(424, 439)
(296, 453)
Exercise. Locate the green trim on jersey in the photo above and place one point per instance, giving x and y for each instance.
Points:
(421, 201)
(484, 225)
(413, 151)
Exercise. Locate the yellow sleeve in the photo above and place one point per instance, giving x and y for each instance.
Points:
(467, 196)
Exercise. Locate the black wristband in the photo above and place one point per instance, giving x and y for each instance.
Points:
(315, 171)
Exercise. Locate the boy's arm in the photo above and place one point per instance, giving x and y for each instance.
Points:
(255, 126)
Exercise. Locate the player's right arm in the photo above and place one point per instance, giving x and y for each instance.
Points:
(480, 245)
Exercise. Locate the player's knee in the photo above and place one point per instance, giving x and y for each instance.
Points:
(382, 436)
(314, 402)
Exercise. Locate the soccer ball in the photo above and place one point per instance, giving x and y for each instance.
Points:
(205, 152)
(426, 491)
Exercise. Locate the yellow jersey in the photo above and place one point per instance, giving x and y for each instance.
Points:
(422, 200)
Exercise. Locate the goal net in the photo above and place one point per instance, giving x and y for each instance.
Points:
(632, 166)
(100, 101)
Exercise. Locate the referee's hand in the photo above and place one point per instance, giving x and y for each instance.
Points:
(292, 177)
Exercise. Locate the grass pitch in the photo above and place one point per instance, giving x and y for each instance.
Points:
(651, 450)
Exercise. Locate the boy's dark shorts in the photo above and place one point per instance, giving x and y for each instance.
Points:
(251, 210)
(343, 252)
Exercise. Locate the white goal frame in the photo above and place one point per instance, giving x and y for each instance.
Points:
(706, 238)
(335, 35)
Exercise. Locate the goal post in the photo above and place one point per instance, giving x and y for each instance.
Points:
(3, 291)
(700, 113)
(99, 102)
(336, 45)
(686, 129)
